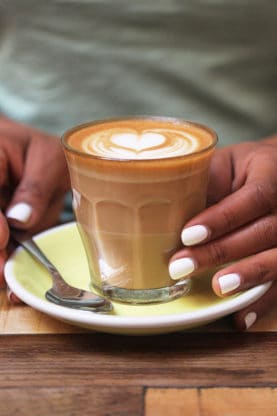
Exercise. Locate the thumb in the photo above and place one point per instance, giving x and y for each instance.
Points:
(44, 177)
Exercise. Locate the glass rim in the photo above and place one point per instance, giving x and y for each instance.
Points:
(177, 120)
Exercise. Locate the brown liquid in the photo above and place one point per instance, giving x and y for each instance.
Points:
(131, 212)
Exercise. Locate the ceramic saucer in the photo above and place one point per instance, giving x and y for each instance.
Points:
(62, 244)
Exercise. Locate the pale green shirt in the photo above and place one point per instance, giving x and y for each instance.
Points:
(64, 62)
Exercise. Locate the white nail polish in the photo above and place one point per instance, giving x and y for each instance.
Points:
(20, 212)
(181, 267)
(250, 319)
(193, 235)
(229, 282)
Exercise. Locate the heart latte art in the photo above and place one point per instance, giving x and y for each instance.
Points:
(140, 139)
(148, 144)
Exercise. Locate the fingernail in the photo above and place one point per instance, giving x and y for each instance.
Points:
(181, 267)
(193, 235)
(250, 319)
(229, 282)
(20, 212)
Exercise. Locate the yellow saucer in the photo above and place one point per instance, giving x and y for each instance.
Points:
(29, 281)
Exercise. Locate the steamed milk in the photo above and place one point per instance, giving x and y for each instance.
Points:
(135, 184)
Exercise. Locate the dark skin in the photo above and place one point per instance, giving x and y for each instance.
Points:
(32, 170)
(241, 217)
(242, 221)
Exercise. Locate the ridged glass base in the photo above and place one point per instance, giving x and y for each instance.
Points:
(146, 296)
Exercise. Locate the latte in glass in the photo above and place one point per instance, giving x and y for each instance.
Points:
(135, 183)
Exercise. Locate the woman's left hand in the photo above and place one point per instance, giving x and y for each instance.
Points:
(238, 227)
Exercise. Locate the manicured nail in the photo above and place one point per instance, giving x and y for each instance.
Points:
(193, 235)
(181, 268)
(250, 319)
(228, 282)
(20, 212)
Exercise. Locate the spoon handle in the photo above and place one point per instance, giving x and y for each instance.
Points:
(31, 246)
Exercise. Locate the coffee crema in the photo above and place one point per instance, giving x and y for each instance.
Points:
(133, 139)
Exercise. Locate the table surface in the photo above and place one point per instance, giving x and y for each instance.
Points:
(52, 368)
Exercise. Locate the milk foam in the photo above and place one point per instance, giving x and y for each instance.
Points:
(127, 143)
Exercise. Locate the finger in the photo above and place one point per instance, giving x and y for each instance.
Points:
(4, 231)
(45, 174)
(11, 166)
(13, 152)
(12, 298)
(229, 214)
(220, 176)
(247, 317)
(246, 273)
(3, 168)
(251, 239)
(3, 259)
(51, 217)
(4, 189)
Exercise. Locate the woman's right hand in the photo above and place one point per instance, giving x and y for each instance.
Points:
(33, 181)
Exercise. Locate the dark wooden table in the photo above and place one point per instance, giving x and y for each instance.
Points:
(49, 368)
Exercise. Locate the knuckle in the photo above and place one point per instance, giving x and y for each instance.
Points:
(266, 231)
(228, 218)
(32, 188)
(217, 254)
(261, 272)
(265, 196)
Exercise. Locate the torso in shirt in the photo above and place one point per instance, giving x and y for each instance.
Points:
(64, 62)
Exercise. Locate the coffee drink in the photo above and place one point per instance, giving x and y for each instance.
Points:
(140, 139)
(135, 183)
